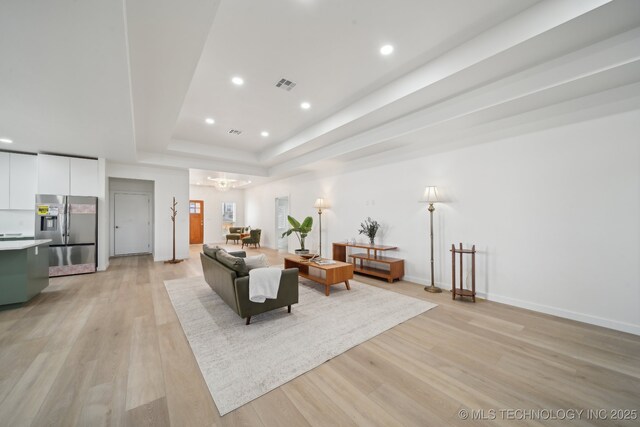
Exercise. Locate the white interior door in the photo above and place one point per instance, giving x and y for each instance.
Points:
(282, 225)
(132, 223)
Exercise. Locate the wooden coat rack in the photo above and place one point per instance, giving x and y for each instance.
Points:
(174, 212)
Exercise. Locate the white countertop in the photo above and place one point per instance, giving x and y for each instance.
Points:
(21, 244)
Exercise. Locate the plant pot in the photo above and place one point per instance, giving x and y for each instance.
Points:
(301, 251)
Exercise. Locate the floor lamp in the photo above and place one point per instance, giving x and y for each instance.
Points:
(320, 204)
(431, 197)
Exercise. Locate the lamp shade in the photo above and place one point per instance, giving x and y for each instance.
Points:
(321, 203)
(430, 195)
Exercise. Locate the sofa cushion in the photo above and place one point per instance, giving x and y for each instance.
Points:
(236, 264)
(256, 261)
(212, 251)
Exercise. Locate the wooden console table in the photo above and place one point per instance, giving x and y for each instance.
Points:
(395, 265)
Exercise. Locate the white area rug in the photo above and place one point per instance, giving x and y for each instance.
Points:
(240, 363)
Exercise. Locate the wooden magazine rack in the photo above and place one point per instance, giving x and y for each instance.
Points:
(461, 291)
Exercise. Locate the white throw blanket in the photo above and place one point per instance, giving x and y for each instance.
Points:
(264, 283)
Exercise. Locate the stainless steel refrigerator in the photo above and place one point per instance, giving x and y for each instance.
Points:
(71, 222)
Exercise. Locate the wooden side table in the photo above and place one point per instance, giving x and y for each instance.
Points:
(461, 291)
(340, 272)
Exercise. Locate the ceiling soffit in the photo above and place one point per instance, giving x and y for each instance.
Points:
(551, 53)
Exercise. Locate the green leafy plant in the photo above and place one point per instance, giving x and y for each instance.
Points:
(301, 230)
(369, 228)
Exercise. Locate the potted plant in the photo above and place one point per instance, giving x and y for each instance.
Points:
(301, 231)
(369, 228)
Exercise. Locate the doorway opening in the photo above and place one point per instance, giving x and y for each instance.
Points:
(228, 216)
(196, 222)
(282, 211)
(131, 216)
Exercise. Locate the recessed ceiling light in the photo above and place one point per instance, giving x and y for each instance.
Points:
(238, 81)
(264, 133)
(387, 49)
(209, 121)
(305, 105)
(6, 140)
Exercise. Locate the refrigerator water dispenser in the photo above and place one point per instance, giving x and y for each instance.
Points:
(48, 223)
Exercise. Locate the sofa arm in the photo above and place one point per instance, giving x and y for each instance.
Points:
(287, 294)
(289, 278)
(242, 289)
(239, 254)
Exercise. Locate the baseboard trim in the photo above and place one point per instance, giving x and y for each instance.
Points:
(103, 267)
(554, 311)
(567, 314)
(421, 281)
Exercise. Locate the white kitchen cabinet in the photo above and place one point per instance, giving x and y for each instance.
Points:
(53, 174)
(5, 171)
(23, 181)
(83, 177)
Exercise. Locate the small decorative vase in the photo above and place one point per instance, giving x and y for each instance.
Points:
(371, 240)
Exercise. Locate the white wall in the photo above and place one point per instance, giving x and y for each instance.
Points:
(213, 199)
(103, 215)
(553, 214)
(167, 184)
(17, 221)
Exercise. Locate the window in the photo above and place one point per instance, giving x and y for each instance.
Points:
(228, 212)
(194, 207)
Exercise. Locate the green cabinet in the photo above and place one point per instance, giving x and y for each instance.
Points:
(23, 273)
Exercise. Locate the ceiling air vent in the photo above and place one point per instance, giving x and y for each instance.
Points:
(234, 132)
(286, 84)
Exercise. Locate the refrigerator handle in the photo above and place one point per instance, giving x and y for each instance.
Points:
(67, 225)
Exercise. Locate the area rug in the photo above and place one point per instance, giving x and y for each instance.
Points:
(240, 363)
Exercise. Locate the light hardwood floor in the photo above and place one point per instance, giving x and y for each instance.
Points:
(108, 349)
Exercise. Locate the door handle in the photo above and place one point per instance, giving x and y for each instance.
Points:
(117, 226)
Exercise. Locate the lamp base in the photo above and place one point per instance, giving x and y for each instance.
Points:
(433, 289)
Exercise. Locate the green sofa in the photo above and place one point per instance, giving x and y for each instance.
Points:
(234, 289)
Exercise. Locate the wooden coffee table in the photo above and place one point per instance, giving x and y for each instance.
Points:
(337, 273)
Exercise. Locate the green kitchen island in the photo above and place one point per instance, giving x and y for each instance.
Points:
(24, 270)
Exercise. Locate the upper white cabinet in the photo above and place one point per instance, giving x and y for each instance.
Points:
(18, 181)
(5, 173)
(83, 177)
(23, 181)
(53, 174)
(67, 176)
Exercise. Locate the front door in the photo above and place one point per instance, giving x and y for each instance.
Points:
(132, 223)
(196, 221)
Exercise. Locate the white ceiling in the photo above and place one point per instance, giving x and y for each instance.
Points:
(329, 49)
(205, 177)
(134, 81)
(64, 78)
